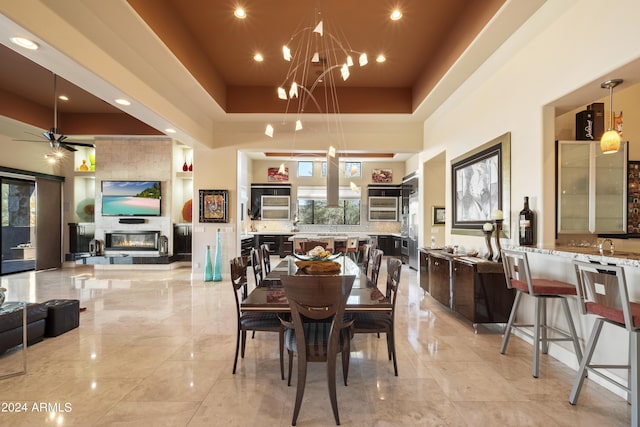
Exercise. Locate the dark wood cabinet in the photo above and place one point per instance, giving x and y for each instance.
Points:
(472, 287)
(279, 244)
(440, 278)
(385, 244)
(259, 190)
(182, 239)
(480, 292)
(384, 190)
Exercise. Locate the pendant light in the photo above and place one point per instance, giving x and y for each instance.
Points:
(610, 141)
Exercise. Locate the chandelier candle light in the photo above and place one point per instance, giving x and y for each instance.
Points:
(315, 53)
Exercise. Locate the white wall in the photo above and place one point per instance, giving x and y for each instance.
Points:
(556, 52)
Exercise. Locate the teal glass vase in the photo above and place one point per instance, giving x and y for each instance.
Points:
(208, 268)
(217, 265)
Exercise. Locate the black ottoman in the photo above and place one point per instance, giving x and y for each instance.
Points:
(63, 315)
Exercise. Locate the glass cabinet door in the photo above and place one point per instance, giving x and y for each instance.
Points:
(573, 186)
(592, 188)
(611, 191)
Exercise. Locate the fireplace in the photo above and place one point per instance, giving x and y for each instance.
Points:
(131, 240)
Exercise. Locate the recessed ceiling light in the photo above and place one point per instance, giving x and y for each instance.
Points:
(381, 58)
(170, 130)
(396, 14)
(63, 98)
(122, 101)
(240, 13)
(258, 57)
(25, 43)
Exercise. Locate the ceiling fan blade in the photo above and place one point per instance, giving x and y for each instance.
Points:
(61, 138)
(80, 144)
(67, 147)
(49, 136)
(29, 140)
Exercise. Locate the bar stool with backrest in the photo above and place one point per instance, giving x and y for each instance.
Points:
(297, 244)
(602, 291)
(350, 248)
(518, 277)
(266, 258)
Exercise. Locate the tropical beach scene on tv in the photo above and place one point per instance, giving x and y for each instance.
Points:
(123, 198)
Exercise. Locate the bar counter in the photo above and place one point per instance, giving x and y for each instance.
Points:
(557, 263)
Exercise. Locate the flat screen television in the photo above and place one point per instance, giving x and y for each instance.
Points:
(131, 198)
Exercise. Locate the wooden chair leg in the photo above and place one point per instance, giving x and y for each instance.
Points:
(331, 380)
(235, 361)
(290, 368)
(244, 343)
(302, 380)
(281, 342)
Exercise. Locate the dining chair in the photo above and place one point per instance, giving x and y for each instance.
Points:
(376, 262)
(383, 322)
(317, 331)
(251, 321)
(266, 258)
(518, 277)
(366, 257)
(256, 265)
(602, 291)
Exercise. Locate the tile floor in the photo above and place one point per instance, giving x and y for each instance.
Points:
(156, 349)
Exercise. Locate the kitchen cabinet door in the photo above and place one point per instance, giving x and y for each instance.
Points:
(592, 189)
(440, 279)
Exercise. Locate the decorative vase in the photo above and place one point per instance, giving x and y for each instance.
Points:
(2, 295)
(498, 248)
(185, 166)
(217, 266)
(190, 167)
(84, 167)
(208, 269)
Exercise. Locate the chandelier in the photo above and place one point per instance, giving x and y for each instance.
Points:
(318, 58)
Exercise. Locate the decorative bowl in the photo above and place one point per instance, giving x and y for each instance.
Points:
(314, 258)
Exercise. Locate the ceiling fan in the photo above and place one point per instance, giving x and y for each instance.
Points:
(56, 140)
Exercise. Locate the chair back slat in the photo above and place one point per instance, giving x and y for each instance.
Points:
(239, 279)
(394, 268)
(256, 265)
(266, 258)
(602, 290)
(317, 298)
(376, 262)
(516, 268)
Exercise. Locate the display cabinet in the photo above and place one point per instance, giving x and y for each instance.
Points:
(382, 208)
(592, 188)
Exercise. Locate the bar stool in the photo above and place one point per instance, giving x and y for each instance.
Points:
(518, 277)
(602, 291)
(350, 248)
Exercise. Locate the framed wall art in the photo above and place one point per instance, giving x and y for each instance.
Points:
(438, 215)
(480, 186)
(214, 205)
(380, 176)
(274, 175)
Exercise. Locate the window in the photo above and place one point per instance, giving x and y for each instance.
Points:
(305, 169)
(324, 168)
(317, 212)
(352, 169)
(312, 207)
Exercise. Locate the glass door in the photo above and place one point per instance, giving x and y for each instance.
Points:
(17, 216)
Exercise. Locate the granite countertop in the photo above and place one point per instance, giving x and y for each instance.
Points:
(627, 259)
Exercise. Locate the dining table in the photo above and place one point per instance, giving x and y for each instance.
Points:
(270, 296)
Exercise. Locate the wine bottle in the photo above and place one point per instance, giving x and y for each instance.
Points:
(527, 225)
